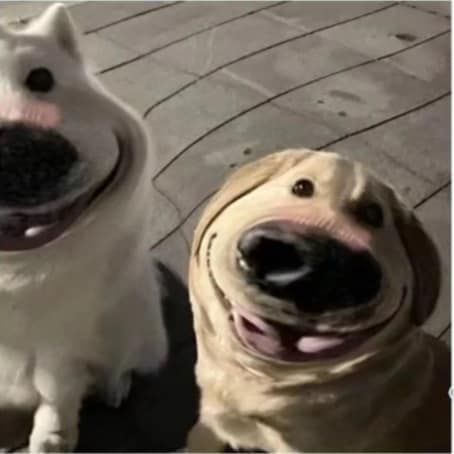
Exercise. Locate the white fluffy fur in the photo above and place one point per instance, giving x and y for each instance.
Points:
(76, 314)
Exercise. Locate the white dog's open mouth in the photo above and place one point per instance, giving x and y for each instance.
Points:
(26, 229)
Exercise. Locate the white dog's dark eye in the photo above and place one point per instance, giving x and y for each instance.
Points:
(303, 188)
(40, 80)
(370, 214)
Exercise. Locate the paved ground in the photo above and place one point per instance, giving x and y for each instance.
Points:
(224, 83)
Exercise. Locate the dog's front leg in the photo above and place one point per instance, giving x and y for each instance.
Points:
(61, 387)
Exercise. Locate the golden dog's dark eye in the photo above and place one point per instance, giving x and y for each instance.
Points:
(40, 80)
(303, 188)
(370, 214)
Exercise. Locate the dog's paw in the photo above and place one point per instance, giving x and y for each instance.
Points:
(118, 390)
(50, 442)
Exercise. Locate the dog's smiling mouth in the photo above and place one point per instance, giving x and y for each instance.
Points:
(287, 343)
(29, 229)
(278, 341)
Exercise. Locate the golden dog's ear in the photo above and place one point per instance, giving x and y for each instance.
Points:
(243, 181)
(424, 259)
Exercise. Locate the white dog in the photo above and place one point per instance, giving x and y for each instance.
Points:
(75, 171)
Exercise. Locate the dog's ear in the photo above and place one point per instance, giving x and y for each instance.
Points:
(243, 181)
(424, 259)
(55, 22)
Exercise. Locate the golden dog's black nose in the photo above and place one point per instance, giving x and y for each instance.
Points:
(34, 165)
(314, 271)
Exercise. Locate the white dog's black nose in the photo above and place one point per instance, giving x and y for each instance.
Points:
(315, 272)
(34, 165)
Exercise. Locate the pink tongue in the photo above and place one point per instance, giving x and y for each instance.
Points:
(267, 339)
(315, 344)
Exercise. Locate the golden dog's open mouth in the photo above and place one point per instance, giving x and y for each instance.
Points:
(320, 277)
(286, 343)
(27, 229)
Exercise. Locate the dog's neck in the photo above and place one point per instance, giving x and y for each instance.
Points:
(350, 405)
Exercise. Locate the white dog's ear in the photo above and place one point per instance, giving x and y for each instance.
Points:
(56, 22)
(424, 258)
(243, 181)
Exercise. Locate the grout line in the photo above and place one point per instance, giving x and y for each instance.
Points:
(133, 16)
(444, 331)
(26, 19)
(184, 218)
(259, 51)
(285, 92)
(422, 10)
(198, 32)
(432, 194)
(387, 120)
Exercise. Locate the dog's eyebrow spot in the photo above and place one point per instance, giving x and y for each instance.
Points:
(367, 212)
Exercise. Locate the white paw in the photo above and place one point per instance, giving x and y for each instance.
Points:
(118, 390)
(51, 442)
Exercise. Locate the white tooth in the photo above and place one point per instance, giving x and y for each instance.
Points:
(314, 344)
(243, 264)
(286, 277)
(34, 231)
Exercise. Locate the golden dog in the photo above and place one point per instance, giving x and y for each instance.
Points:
(309, 280)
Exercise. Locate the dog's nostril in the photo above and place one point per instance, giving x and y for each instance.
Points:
(314, 272)
(33, 164)
(266, 256)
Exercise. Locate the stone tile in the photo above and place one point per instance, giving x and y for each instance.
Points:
(443, 8)
(310, 15)
(417, 144)
(164, 26)
(250, 136)
(102, 53)
(360, 97)
(435, 215)
(92, 15)
(164, 217)
(387, 31)
(173, 253)
(203, 106)
(293, 63)
(221, 45)
(446, 337)
(191, 222)
(144, 82)
(430, 62)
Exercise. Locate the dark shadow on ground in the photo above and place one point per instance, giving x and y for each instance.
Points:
(160, 410)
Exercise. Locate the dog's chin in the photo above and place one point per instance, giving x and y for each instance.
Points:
(282, 342)
(31, 229)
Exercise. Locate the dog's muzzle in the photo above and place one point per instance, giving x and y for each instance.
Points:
(325, 271)
(313, 271)
(41, 185)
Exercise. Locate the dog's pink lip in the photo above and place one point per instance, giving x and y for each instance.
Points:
(334, 225)
(36, 231)
(283, 342)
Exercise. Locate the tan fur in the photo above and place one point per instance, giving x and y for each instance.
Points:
(391, 394)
